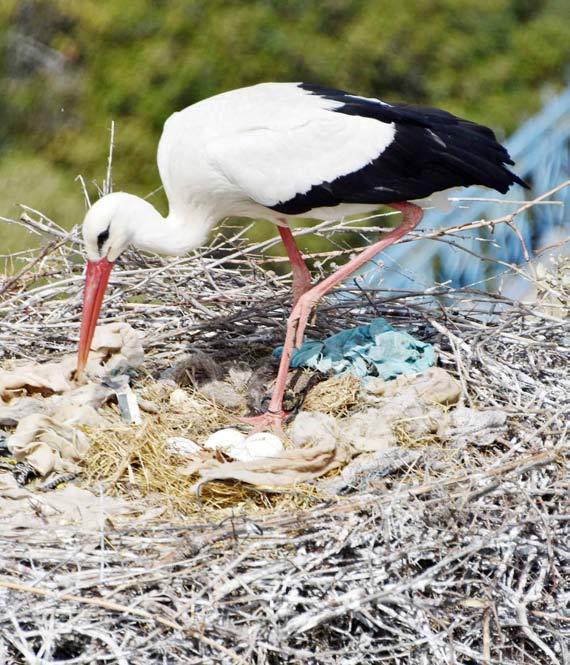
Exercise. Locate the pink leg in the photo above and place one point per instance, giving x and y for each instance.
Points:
(301, 284)
(301, 274)
(297, 322)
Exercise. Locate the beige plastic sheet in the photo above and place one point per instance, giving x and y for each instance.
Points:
(22, 508)
(324, 443)
(293, 466)
(415, 403)
(113, 345)
(45, 402)
(434, 386)
(48, 445)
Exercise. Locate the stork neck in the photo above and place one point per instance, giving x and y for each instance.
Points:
(174, 235)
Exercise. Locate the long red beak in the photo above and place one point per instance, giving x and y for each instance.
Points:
(96, 279)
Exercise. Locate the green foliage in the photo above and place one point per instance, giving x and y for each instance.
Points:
(40, 185)
(68, 68)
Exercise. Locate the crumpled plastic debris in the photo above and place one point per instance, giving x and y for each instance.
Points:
(366, 470)
(48, 445)
(465, 426)
(370, 430)
(180, 445)
(413, 402)
(77, 404)
(22, 508)
(115, 347)
(290, 467)
(364, 431)
(435, 386)
(46, 378)
(45, 435)
(122, 343)
(376, 349)
(313, 426)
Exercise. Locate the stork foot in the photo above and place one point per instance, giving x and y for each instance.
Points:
(266, 422)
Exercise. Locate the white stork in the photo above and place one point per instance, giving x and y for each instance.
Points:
(277, 151)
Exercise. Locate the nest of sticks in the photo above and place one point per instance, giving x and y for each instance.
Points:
(442, 556)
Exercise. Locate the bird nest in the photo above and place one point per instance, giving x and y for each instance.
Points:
(436, 555)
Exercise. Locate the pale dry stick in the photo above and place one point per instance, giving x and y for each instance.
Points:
(551, 616)
(102, 546)
(518, 234)
(354, 601)
(510, 267)
(501, 201)
(38, 228)
(51, 226)
(524, 442)
(48, 249)
(542, 519)
(495, 484)
(525, 625)
(500, 220)
(476, 224)
(108, 182)
(519, 466)
(455, 344)
(486, 637)
(43, 293)
(167, 266)
(154, 191)
(125, 609)
(223, 575)
(23, 223)
(266, 244)
(553, 245)
(22, 646)
(15, 255)
(84, 190)
(106, 639)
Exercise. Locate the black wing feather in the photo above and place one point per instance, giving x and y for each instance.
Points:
(432, 150)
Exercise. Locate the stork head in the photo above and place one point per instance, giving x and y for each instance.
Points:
(107, 232)
(107, 226)
(110, 226)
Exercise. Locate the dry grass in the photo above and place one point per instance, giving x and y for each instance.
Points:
(335, 396)
(137, 462)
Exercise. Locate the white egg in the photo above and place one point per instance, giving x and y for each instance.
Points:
(224, 439)
(263, 444)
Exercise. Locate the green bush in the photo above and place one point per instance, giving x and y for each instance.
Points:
(68, 68)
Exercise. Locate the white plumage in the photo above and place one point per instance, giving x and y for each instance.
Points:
(242, 152)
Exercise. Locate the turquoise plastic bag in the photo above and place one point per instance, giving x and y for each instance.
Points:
(375, 349)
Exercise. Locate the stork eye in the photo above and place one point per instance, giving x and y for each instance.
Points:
(102, 239)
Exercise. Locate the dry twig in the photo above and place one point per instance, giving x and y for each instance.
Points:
(460, 557)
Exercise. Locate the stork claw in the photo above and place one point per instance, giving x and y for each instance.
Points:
(266, 422)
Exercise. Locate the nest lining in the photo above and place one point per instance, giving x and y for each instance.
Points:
(458, 557)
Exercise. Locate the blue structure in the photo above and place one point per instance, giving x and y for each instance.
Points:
(541, 151)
